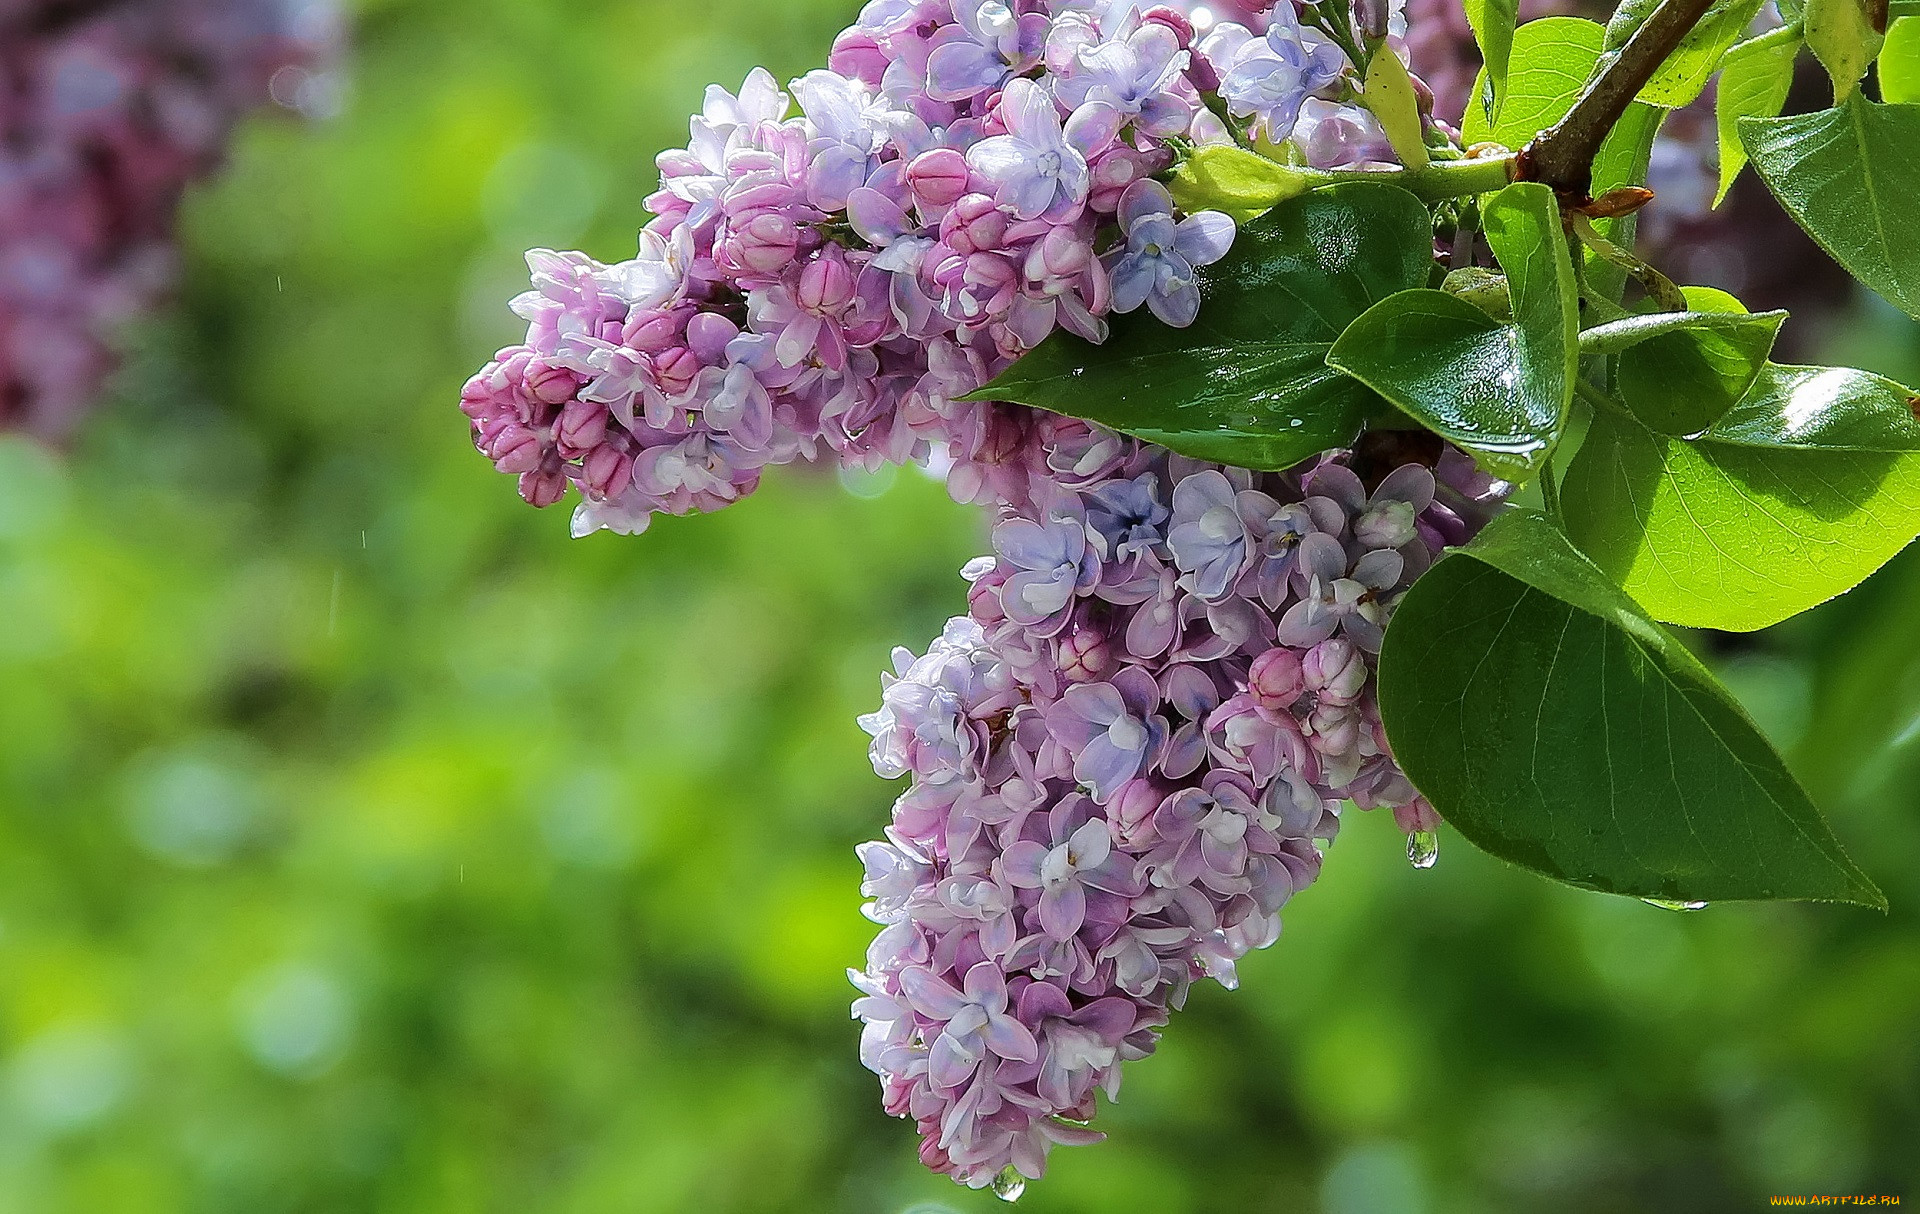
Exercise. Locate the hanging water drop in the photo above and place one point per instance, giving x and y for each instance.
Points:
(1009, 1184)
(1423, 848)
(1664, 904)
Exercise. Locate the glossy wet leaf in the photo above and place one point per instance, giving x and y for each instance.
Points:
(1798, 493)
(1754, 80)
(1850, 176)
(1554, 725)
(1247, 383)
(1500, 390)
(1691, 64)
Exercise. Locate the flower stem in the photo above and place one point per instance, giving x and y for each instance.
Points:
(1562, 156)
(1439, 179)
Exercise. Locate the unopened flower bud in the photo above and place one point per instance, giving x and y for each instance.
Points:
(1386, 525)
(652, 331)
(550, 385)
(1275, 678)
(582, 427)
(938, 178)
(825, 286)
(606, 470)
(1335, 671)
(543, 487)
(1085, 656)
(767, 243)
(512, 448)
(1371, 17)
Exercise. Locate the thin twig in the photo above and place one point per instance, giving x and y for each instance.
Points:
(1562, 157)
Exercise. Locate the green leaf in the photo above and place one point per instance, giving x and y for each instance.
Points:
(1234, 180)
(1900, 62)
(1798, 493)
(1823, 408)
(1685, 369)
(1493, 22)
(1849, 176)
(1554, 725)
(1389, 95)
(1692, 63)
(1754, 80)
(1247, 384)
(1551, 58)
(1499, 390)
(1841, 39)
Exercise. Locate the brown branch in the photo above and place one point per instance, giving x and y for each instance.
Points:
(1562, 156)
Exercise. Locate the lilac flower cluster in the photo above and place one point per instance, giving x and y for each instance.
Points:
(1125, 759)
(107, 112)
(831, 282)
(1127, 756)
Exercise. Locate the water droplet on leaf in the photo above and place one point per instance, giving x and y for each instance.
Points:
(1664, 904)
(1009, 1184)
(1423, 848)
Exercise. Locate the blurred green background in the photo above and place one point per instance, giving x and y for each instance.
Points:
(367, 844)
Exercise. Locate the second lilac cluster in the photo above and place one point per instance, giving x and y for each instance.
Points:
(107, 112)
(1125, 759)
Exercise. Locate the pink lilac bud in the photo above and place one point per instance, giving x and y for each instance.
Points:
(582, 427)
(826, 286)
(1275, 678)
(1335, 671)
(1085, 656)
(938, 178)
(543, 488)
(767, 243)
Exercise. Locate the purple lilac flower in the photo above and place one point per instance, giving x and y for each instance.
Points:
(989, 42)
(1039, 167)
(1266, 78)
(1139, 73)
(1130, 833)
(1208, 540)
(1160, 255)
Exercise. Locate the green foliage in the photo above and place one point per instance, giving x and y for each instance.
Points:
(1389, 94)
(1686, 71)
(1552, 58)
(1247, 383)
(1234, 180)
(1754, 80)
(1848, 176)
(1795, 495)
(1840, 37)
(1493, 28)
(1499, 390)
(1556, 726)
(1687, 368)
(1899, 63)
